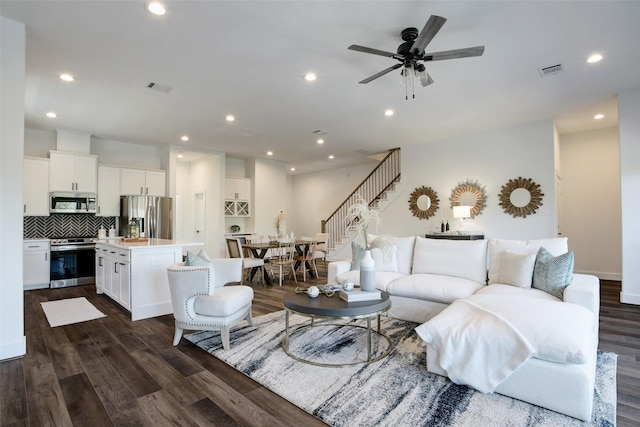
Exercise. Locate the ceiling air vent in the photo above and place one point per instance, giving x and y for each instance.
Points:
(159, 87)
(551, 70)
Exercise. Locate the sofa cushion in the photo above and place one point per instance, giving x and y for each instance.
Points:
(553, 274)
(405, 246)
(500, 289)
(385, 260)
(433, 287)
(556, 246)
(517, 269)
(383, 278)
(458, 258)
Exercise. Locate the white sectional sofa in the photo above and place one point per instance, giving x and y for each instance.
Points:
(424, 277)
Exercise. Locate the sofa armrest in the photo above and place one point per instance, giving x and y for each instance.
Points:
(584, 290)
(335, 269)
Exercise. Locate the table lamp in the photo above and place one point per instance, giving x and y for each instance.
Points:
(461, 212)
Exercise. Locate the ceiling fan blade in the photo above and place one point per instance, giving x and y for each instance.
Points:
(380, 74)
(455, 53)
(431, 28)
(371, 50)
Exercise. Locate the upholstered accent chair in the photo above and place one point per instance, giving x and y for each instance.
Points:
(201, 302)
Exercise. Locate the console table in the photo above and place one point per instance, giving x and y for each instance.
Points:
(455, 236)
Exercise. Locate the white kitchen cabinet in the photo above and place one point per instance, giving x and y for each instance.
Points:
(108, 191)
(113, 274)
(35, 187)
(36, 264)
(237, 188)
(138, 274)
(73, 172)
(237, 195)
(140, 181)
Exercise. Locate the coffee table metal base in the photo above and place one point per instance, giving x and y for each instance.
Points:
(289, 333)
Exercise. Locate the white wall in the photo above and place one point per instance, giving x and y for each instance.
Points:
(318, 194)
(269, 191)
(207, 175)
(629, 125)
(12, 65)
(126, 154)
(590, 201)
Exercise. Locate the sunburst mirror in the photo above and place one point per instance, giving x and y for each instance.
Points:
(521, 197)
(423, 202)
(469, 193)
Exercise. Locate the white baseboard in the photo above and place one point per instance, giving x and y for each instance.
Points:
(13, 349)
(627, 298)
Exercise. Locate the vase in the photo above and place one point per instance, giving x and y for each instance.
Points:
(367, 272)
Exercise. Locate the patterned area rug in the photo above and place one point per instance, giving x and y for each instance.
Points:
(392, 392)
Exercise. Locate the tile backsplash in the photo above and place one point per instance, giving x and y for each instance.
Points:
(65, 225)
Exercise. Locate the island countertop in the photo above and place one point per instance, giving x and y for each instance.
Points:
(150, 243)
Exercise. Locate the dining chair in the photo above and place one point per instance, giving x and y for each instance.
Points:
(321, 247)
(283, 258)
(307, 257)
(248, 263)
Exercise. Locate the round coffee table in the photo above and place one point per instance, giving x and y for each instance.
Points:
(335, 308)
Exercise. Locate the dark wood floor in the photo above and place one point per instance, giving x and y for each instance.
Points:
(112, 371)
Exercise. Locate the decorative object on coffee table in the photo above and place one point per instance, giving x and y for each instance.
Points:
(423, 202)
(469, 193)
(521, 197)
(360, 216)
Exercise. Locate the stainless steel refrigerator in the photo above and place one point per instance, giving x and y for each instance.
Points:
(152, 214)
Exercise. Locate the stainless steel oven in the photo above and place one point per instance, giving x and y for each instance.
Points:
(72, 262)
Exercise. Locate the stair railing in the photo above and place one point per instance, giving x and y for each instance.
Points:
(372, 189)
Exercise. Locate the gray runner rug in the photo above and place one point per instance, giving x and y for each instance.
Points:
(395, 391)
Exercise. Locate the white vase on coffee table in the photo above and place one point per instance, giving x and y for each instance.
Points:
(367, 272)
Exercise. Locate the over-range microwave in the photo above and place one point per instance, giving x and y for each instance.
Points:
(69, 202)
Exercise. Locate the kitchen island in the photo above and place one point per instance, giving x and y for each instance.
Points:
(134, 274)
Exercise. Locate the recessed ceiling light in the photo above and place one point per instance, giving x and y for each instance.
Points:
(320, 141)
(52, 115)
(185, 138)
(269, 153)
(331, 157)
(594, 58)
(388, 113)
(180, 155)
(230, 118)
(156, 8)
(66, 77)
(292, 169)
(598, 116)
(310, 77)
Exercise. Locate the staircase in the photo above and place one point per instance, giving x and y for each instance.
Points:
(375, 189)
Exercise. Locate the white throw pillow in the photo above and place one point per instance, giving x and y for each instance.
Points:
(557, 246)
(386, 260)
(457, 258)
(517, 269)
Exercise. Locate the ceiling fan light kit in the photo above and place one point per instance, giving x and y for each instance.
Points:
(412, 56)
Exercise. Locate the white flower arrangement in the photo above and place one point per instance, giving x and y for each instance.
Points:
(362, 217)
(279, 222)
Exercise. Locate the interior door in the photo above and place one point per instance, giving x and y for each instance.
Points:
(199, 217)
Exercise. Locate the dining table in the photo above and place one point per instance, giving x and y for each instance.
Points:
(261, 249)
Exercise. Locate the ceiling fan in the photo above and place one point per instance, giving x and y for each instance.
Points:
(412, 56)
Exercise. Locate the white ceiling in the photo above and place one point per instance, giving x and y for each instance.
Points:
(248, 58)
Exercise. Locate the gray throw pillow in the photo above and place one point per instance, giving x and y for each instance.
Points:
(357, 252)
(552, 274)
(195, 260)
